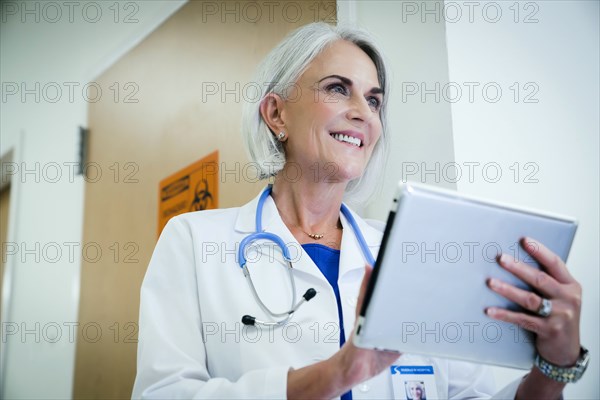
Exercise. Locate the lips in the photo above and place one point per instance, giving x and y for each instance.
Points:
(352, 138)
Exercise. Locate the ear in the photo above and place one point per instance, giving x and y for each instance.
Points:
(271, 110)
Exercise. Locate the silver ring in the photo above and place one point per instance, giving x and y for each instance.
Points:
(545, 308)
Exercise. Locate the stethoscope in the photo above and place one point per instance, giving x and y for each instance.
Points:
(310, 293)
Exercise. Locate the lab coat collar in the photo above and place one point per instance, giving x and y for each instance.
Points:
(351, 256)
(246, 219)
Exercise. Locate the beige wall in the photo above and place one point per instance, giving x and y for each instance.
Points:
(169, 127)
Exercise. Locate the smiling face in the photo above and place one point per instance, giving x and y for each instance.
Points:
(416, 391)
(333, 117)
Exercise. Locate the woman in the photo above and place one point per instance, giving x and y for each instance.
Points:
(320, 130)
(415, 390)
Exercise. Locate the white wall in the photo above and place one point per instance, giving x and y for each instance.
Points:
(554, 61)
(414, 52)
(42, 287)
(558, 134)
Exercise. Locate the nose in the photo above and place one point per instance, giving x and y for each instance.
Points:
(359, 109)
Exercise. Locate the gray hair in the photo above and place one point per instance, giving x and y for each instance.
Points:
(280, 70)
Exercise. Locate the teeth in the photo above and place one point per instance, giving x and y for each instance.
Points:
(347, 139)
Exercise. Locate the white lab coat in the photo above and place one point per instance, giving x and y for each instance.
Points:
(191, 340)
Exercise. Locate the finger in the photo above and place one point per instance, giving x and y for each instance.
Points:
(525, 321)
(534, 277)
(551, 262)
(560, 354)
(363, 289)
(526, 299)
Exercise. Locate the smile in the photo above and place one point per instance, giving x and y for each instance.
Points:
(347, 139)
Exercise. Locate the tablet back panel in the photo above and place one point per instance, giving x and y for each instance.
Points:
(428, 293)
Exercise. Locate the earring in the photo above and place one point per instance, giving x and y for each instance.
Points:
(281, 136)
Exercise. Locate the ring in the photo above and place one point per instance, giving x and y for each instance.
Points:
(545, 308)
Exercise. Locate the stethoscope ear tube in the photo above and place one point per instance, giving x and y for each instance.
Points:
(259, 301)
(252, 321)
(359, 236)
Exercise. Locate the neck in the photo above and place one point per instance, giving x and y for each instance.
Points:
(311, 206)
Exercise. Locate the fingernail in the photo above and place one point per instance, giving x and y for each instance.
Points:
(528, 243)
(503, 259)
(494, 284)
(490, 311)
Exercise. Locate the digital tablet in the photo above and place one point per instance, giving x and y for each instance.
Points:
(428, 290)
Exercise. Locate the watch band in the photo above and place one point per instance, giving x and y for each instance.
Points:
(562, 374)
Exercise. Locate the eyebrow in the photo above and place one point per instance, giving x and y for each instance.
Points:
(347, 81)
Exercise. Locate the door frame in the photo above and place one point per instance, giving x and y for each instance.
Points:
(13, 153)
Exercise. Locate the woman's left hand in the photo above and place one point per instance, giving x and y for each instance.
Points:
(557, 335)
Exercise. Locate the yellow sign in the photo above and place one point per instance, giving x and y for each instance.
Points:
(194, 188)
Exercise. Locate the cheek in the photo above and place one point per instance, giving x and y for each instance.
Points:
(378, 128)
(307, 112)
(326, 111)
(377, 138)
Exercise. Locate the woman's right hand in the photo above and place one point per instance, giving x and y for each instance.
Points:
(347, 368)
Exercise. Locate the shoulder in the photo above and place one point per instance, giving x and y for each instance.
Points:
(206, 222)
(204, 216)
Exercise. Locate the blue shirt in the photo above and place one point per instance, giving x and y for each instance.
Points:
(328, 261)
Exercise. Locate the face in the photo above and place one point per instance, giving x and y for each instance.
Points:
(332, 118)
(415, 391)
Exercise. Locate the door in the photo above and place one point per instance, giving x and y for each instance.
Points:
(153, 119)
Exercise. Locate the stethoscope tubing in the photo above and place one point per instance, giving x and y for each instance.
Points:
(260, 234)
(263, 305)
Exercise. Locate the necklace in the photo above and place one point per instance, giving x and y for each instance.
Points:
(316, 236)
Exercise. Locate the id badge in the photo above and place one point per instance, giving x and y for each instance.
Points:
(414, 382)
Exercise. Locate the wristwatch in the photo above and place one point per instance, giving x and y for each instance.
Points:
(562, 374)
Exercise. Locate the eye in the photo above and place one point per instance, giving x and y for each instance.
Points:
(374, 103)
(337, 88)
